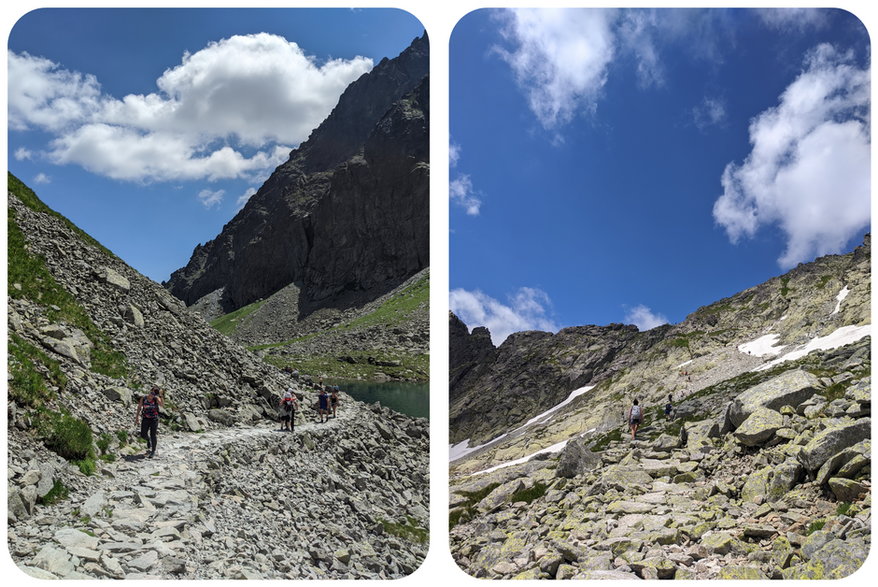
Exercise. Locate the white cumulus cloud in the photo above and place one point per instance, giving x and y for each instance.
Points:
(22, 154)
(644, 318)
(42, 178)
(792, 18)
(808, 171)
(462, 194)
(526, 310)
(559, 58)
(210, 198)
(229, 110)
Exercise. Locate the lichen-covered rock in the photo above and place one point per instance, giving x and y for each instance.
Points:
(790, 388)
(833, 440)
(759, 426)
(576, 458)
(847, 490)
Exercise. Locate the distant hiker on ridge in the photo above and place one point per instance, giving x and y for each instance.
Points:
(635, 417)
(669, 407)
(148, 408)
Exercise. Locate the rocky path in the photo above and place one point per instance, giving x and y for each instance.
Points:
(245, 503)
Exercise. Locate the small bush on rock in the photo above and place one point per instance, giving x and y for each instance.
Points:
(67, 436)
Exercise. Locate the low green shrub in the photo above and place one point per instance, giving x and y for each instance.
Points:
(409, 531)
(67, 436)
(59, 492)
(528, 495)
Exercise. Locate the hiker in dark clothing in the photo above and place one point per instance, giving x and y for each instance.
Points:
(635, 417)
(148, 414)
(323, 405)
(669, 407)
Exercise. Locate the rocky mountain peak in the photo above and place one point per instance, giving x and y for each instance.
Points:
(347, 213)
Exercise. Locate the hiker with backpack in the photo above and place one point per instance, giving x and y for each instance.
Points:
(669, 407)
(635, 417)
(287, 409)
(148, 415)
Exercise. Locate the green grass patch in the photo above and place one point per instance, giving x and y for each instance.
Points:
(32, 372)
(87, 466)
(122, 437)
(103, 442)
(29, 278)
(528, 495)
(834, 391)
(680, 342)
(393, 311)
(468, 508)
(843, 508)
(823, 281)
(603, 441)
(359, 365)
(410, 531)
(59, 492)
(229, 322)
(398, 308)
(784, 289)
(65, 435)
(815, 526)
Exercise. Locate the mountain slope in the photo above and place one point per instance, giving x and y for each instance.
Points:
(87, 336)
(346, 217)
(763, 470)
(534, 370)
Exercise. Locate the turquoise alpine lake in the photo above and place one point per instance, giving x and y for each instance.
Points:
(412, 399)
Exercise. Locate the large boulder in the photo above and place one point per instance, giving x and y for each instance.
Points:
(790, 388)
(759, 427)
(770, 484)
(832, 441)
(576, 458)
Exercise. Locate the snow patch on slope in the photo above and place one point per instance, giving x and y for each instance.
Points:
(840, 297)
(764, 345)
(840, 337)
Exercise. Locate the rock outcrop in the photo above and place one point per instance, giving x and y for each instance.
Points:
(346, 218)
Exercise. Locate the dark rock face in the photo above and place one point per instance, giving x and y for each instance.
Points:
(492, 390)
(348, 212)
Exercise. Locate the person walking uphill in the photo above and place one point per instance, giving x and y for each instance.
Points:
(148, 414)
(635, 417)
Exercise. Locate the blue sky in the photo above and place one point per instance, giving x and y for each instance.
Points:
(149, 128)
(633, 165)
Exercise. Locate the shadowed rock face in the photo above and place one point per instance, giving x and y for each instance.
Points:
(347, 213)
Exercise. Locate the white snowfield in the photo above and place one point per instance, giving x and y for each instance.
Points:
(764, 345)
(840, 337)
(462, 449)
(557, 447)
(684, 364)
(840, 297)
